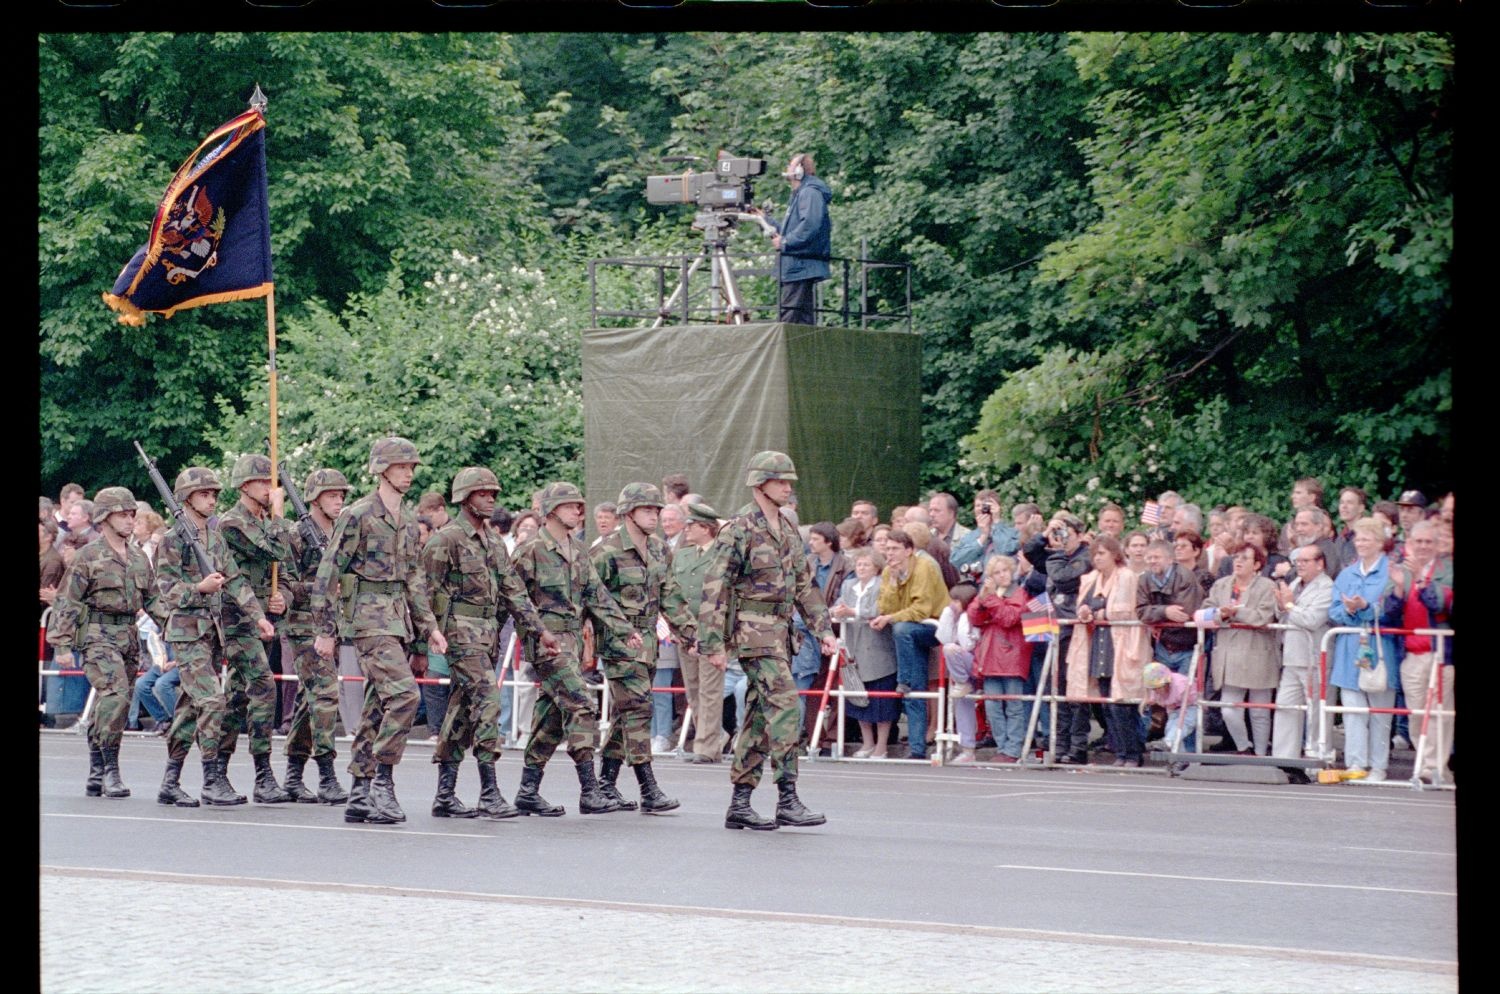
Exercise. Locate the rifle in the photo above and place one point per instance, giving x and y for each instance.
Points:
(305, 523)
(185, 529)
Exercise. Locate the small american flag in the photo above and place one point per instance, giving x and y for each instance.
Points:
(1039, 603)
(1151, 513)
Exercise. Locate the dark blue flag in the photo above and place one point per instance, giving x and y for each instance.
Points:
(211, 237)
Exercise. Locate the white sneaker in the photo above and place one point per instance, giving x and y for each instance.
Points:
(661, 746)
(964, 758)
(864, 752)
(1375, 776)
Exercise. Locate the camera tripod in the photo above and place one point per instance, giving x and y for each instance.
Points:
(724, 294)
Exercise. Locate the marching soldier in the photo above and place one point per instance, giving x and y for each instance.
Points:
(563, 585)
(317, 708)
(758, 574)
(108, 583)
(191, 603)
(633, 566)
(473, 585)
(258, 538)
(370, 586)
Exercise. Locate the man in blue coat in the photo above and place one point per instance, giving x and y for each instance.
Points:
(804, 239)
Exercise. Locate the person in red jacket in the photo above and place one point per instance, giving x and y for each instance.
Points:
(1003, 657)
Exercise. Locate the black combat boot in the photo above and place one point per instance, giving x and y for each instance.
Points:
(446, 804)
(652, 798)
(492, 803)
(113, 785)
(94, 785)
(267, 790)
(359, 800)
(222, 763)
(591, 800)
(529, 801)
(609, 777)
(789, 808)
(216, 790)
(171, 791)
(742, 815)
(329, 790)
(294, 785)
(383, 809)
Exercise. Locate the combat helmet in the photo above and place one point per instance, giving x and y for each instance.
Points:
(470, 479)
(193, 479)
(112, 499)
(320, 481)
(554, 495)
(252, 466)
(638, 495)
(769, 465)
(386, 452)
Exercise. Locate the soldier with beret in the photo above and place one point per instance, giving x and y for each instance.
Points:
(94, 614)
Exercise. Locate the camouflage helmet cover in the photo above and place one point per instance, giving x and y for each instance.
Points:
(252, 466)
(554, 495)
(112, 499)
(320, 481)
(387, 452)
(769, 465)
(638, 495)
(471, 478)
(193, 479)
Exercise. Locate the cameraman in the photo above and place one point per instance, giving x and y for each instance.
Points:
(804, 239)
(1067, 561)
(991, 536)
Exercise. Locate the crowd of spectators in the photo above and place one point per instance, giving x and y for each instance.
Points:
(924, 594)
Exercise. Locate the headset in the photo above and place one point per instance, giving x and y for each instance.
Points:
(797, 172)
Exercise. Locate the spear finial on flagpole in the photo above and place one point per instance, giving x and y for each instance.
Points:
(258, 101)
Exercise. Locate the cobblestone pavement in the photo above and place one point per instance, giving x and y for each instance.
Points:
(304, 937)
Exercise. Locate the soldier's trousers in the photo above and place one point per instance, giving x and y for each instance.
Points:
(200, 699)
(390, 706)
(565, 708)
(630, 682)
(769, 729)
(317, 709)
(473, 716)
(111, 672)
(250, 695)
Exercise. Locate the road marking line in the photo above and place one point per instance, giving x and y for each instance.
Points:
(1339, 957)
(1224, 880)
(1409, 852)
(391, 829)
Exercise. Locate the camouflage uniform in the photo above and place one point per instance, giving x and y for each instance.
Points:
(636, 577)
(94, 614)
(256, 542)
(473, 586)
(316, 714)
(563, 585)
(370, 587)
(192, 626)
(757, 578)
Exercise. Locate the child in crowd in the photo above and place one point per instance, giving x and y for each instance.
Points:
(1173, 692)
(958, 638)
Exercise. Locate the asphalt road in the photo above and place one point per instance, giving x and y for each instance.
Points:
(1294, 881)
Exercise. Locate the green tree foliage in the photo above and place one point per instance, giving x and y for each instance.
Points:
(380, 147)
(1264, 293)
(477, 366)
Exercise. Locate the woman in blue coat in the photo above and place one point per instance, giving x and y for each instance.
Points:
(1357, 596)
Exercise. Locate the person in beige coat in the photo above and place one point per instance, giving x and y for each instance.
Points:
(1246, 662)
(1106, 660)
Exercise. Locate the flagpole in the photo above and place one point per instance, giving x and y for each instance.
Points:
(258, 102)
